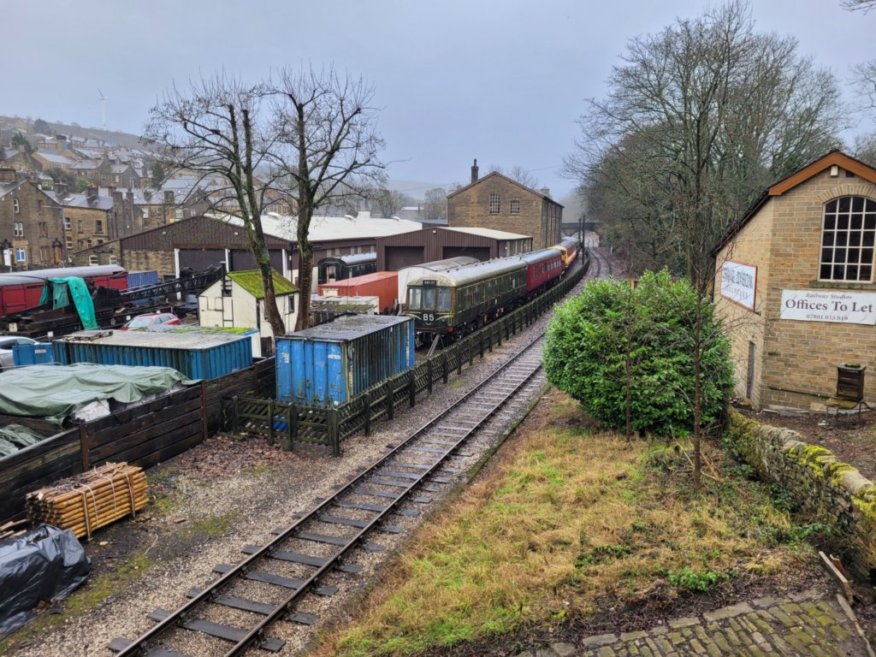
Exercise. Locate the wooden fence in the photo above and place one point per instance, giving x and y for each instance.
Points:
(296, 424)
(144, 435)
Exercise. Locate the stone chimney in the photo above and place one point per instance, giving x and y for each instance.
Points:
(62, 189)
(7, 175)
(168, 197)
(546, 191)
(474, 171)
(92, 192)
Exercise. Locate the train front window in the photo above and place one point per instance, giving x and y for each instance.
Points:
(443, 299)
(428, 298)
(415, 298)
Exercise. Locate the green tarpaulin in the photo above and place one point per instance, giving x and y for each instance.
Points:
(54, 392)
(71, 286)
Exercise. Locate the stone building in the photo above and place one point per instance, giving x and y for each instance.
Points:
(31, 229)
(795, 284)
(495, 201)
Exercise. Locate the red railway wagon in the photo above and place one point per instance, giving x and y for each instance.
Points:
(381, 284)
(543, 269)
(21, 291)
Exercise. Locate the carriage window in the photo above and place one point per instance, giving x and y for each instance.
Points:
(428, 298)
(443, 299)
(415, 298)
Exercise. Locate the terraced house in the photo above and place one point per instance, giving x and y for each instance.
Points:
(795, 282)
(31, 229)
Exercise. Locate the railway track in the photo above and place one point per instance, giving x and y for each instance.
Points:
(262, 600)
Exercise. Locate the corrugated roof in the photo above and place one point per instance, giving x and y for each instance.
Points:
(489, 232)
(251, 281)
(324, 229)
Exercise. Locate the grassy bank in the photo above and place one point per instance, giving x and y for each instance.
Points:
(563, 522)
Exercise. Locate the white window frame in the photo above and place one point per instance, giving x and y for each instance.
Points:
(18, 229)
(848, 240)
(16, 206)
(20, 254)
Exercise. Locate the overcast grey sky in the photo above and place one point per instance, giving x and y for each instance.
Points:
(500, 80)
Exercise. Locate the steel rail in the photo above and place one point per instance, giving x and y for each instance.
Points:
(142, 644)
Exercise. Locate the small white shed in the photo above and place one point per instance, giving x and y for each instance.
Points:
(237, 300)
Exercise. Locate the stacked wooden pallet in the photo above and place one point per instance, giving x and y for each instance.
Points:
(91, 500)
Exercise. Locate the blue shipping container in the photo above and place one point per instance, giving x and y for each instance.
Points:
(199, 354)
(142, 278)
(332, 363)
(38, 353)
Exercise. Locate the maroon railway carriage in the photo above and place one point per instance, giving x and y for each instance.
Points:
(21, 291)
(543, 268)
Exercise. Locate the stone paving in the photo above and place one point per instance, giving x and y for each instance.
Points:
(807, 624)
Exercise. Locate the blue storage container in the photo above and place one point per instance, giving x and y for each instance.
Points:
(38, 353)
(332, 363)
(142, 278)
(197, 353)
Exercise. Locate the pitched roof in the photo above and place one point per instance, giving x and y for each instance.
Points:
(251, 281)
(494, 174)
(488, 232)
(324, 229)
(825, 162)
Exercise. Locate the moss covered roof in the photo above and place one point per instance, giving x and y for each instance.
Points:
(251, 281)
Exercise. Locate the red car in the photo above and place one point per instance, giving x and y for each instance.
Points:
(151, 320)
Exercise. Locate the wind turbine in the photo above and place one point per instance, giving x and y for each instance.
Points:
(102, 100)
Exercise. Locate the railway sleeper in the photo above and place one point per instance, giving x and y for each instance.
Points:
(118, 644)
(277, 580)
(304, 559)
(218, 630)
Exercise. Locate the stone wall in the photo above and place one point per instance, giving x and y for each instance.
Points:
(833, 493)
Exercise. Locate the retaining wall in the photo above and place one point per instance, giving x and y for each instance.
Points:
(834, 493)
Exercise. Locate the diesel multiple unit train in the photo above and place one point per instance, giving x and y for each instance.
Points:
(461, 299)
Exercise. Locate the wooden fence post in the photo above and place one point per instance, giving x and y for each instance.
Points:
(390, 402)
(429, 372)
(412, 388)
(204, 418)
(270, 422)
(367, 402)
(481, 344)
(293, 424)
(444, 371)
(288, 418)
(334, 433)
(235, 414)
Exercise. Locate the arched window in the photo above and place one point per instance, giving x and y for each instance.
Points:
(847, 240)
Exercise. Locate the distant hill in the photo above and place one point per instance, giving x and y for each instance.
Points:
(23, 125)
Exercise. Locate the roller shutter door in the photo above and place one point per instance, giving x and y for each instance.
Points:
(399, 257)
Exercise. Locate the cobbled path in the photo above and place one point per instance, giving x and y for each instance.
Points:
(804, 625)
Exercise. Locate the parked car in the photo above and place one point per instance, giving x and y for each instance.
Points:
(151, 320)
(6, 344)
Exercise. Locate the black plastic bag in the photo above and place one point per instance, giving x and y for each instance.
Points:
(45, 564)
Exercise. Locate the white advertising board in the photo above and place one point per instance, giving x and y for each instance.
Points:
(829, 306)
(738, 283)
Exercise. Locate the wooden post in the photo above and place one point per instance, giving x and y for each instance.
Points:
(270, 422)
(429, 372)
(412, 389)
(334, 433)
(83, 447)
(293, 424)
(444, 366)
(457, 351)
(481, 343)
(367, 401)
(390, 402)
(204, 418)
(288, 418)
(235, 414)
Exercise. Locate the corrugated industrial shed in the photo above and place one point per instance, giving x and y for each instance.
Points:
(414, 248)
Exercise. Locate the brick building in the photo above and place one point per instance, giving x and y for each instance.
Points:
(795, 283)
(31, 230)
(495, 201)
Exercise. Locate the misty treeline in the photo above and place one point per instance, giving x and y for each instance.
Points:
(302, 139)
(699, 119)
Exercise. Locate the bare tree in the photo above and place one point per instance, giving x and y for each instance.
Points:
(435, 204)
(388, 202)
(217, 129)
(858, 5)
(518, 174)
(327, 143)
(698, 119)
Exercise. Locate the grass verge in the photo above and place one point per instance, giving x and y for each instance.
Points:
(565, 521)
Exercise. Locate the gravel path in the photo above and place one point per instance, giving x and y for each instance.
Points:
(227, 493)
